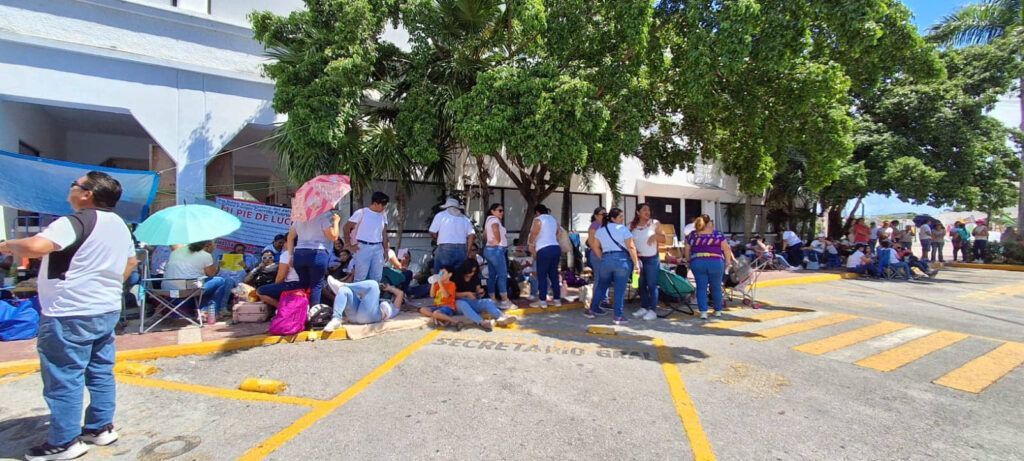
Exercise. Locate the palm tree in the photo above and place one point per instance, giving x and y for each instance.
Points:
(981, 23)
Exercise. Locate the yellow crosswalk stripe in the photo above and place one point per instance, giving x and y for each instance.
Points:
(771, 315)
(982, 372)
(849, 338)
(911, 351)
(799, 327)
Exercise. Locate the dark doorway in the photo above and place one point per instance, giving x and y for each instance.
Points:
(665, 210)
(693, 209)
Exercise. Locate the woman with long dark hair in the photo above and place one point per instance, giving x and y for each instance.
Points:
(647, 235)
(614, 246)
(708, 254)
(596, 221)
(496, 254)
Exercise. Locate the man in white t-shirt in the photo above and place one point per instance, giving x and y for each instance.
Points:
(859, 263)
(793, 247)
(86, 258)
(366, 236)
(454, 234)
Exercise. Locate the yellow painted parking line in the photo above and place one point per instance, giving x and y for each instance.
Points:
(220, 392)
(995, 292)
(980, 373)
(911, 351)
(524, 311)
(770, 315)
(849, 338)
(271, 444)
(17, 377)
(685, 408)
(800, 327)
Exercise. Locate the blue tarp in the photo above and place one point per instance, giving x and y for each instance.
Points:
(41, 185)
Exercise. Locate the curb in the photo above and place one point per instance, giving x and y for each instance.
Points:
(996, 267)
(248, 342)
(805, 280)
(176, 350)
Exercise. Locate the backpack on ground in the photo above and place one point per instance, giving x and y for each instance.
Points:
(292, 309)
(319, 315)
(19, 319)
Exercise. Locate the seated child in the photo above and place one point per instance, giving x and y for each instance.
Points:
(442, 289)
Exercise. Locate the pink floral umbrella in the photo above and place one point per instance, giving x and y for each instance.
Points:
(319, 195)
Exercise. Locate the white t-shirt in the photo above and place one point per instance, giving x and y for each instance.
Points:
(687, 229)
(94, 281)
(369, 225)
(887, 232)
(489, 231)
(185, 264)
(925, 232)
(832, 249)
(854, 260)
(818, 246)
(309, 235)
(640, 237)
(286, 258)
(451, 228)
(548, 234)
(791, 238)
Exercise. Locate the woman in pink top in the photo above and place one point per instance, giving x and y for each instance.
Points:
(496, 254)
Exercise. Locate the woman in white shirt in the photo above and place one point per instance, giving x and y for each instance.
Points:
(546, 255)
(615, 248)
(309, 244)
(496, 255)
(192, 262)
(287, 279)
(646, 237)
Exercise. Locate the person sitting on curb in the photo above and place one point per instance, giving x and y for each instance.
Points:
(360, 303)
(470, 301)
(860, 263)
(287, 279)
(907, 255)
(442, 289)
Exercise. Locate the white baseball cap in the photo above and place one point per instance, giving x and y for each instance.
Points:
(450, 203)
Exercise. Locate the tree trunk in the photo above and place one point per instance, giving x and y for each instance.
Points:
(748, 220)
(483, 184)
(1020, 179)
(567, 207)
(762, 218)
(402, 200)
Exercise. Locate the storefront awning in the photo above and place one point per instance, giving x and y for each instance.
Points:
(645, 187)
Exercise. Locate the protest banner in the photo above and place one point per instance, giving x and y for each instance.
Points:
(260, 223)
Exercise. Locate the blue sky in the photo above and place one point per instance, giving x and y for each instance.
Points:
(927, 13)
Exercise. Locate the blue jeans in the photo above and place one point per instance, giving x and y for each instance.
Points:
(926, 248)
(615, 268)
(708, 271)
(863, 269)
(369, 263)
(921, 264)
(546, 268)
(472, 308)
(274, 290)
(649, 268)
(795, 254)
(497, 270)
(217, 291)
(451, 255)
(311, 267)
(77, 352)
(360, 299)
(979, 249)
(593, 262)
(901, 265)
(833, 260)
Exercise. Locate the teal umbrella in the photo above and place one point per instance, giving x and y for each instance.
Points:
(183, 224)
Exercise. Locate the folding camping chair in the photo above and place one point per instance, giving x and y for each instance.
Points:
(675, 294)
(175, 301)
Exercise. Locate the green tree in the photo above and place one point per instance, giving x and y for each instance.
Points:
(507, 80)
(982, 23)
(930, 142)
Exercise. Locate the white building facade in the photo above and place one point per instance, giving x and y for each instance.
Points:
(167, 85)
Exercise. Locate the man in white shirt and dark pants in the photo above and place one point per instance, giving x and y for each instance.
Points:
(454, 234)
(86, 259)
(369, 242)
(794, 248)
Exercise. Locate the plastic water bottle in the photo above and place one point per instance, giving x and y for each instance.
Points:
(211, 314)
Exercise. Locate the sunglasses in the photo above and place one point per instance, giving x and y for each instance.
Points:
(75, 184)
(499, 210)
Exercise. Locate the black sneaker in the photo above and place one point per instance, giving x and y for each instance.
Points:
(46, 452)
(103, 436)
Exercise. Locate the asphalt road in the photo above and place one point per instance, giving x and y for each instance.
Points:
(839, 370)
